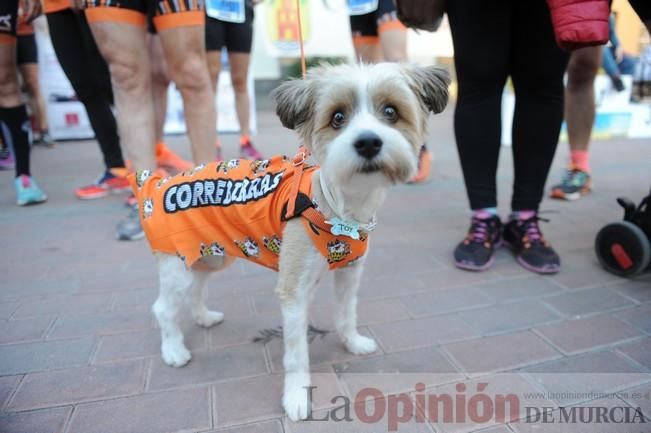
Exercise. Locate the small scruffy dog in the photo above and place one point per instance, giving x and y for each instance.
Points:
(364, 125)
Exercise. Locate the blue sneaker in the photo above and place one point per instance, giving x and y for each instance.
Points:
(27, 191)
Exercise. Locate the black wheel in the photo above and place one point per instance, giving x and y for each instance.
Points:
(623, 248)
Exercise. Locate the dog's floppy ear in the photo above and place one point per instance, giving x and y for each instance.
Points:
(294, 100)
(431, 85)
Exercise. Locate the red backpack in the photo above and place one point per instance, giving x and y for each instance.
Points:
(579, 23)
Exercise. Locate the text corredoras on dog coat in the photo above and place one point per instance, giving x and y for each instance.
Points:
(231, 208)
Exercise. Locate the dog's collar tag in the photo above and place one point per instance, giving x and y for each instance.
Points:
(344, 228)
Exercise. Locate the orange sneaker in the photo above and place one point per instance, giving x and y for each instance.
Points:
(112, 181)
(424, 166)
(169, 160)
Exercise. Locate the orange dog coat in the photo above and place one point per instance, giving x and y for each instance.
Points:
(233, 207)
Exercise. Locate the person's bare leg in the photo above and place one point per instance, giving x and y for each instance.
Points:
(394, 45)
(579, 115)
(239, 71)
(124, 46)
(9, 89)
(367, 49)
(159, 84)
(214, 59)
(29, 72)
(185, 53)
(579, 96)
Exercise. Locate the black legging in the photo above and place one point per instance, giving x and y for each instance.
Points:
(89, 75)
(493, 40)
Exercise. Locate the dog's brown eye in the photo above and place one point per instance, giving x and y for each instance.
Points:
(390, 113)
(337, 120)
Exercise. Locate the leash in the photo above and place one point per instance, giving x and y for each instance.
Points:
(303, 153)
(300, 38)
(311, 214)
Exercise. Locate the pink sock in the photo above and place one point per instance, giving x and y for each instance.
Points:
(522, 214)
(579, 159)
(485, 213)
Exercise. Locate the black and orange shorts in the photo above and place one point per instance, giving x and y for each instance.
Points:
(166, 13)
(8, 21)
(367, 28)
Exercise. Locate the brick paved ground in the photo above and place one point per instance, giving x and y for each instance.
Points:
(79, 347)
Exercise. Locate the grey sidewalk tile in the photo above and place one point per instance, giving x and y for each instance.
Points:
(8, 385)
(501, 352)
(41, 421)
(583, 302)
(573, 379)
(163, 412)
(79, 384)
(639, 351)
(639, 317)
(445, 301)
(16, 331)
(262, 427)
(105, 323)
(139, 344)
(430, 331)
(576, 336)
(207, 367)
(45, 355)
(509, 317)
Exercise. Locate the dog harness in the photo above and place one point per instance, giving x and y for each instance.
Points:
(239, 208)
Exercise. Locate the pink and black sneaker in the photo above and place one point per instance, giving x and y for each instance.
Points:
(247, 150)
(476, 251)
(532, 251)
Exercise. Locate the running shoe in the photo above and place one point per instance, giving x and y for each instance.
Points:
(476, 251)
(532, 251)
(169, 160)
(6, 159)
(424, 165)
(130, 228)
(575, 184)
(131, 201)
(218, 151)
(27, 191)
(109, 182)
(247, 150)
(43, 139)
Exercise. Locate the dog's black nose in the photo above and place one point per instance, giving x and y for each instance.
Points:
(368, 145)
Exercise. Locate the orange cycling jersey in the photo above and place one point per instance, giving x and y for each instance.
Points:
(56, 5)
(234, 207)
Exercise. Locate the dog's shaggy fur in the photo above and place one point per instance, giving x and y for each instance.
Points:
(330, 110)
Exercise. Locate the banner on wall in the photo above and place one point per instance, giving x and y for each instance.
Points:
(67, 116)
(616, 115)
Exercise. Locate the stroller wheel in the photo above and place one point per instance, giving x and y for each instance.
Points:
(623, 248)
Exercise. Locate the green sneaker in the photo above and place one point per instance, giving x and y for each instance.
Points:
(27, 191)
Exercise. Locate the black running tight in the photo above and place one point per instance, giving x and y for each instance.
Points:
(492, 41)
(90, 78)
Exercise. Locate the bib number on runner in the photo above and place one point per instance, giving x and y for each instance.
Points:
(361, 7)
(231, 11)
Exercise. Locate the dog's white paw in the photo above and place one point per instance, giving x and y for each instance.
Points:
(296, 404)
(209, 318)
(360, 345)
(175, 355)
